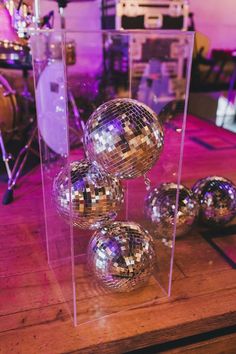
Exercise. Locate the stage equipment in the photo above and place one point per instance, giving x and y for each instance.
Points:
(160, 208)
(217, 200)
(141, 14)
(95, 196)
(14, 54)
(124, 137)
(11, 124)
(158, 67)
(121, 256)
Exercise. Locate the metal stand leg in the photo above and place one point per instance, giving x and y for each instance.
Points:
(5, 156)
(18, 167)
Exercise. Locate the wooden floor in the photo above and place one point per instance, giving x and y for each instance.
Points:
(34, 316)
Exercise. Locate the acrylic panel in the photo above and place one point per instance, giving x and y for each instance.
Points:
(51, 104)
(113, 195)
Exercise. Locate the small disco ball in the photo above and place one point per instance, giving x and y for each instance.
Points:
(124, 137)
(95, 196)
(121, 256)
(217, 200)
(160, 206)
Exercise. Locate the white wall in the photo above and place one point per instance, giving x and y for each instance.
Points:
(214, 18)
(217, 20)
(80, 15)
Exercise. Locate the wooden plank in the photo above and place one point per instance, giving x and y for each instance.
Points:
(43, 315)
(34, 317)
(225, 344)
(204, 283)
(22, 259)
(28, 291)
(127, 330)
(193, 254)
(93, 301)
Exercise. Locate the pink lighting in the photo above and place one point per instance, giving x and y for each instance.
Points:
(217, 21)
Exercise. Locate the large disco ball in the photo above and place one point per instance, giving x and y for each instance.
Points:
(160, 206)
(121, 256)
(217, 199)
(124, 137)
(95, 196)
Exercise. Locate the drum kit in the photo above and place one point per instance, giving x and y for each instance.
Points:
(15, 55)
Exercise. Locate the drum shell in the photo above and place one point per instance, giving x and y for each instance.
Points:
(9, 109)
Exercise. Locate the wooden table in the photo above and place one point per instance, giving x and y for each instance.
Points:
(200, 316)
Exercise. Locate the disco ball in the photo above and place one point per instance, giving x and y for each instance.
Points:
(124, 137)
(160, 206)
(95, 196)
(121, 256)
(217, 200)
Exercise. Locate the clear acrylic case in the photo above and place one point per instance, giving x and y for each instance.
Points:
(141, 71)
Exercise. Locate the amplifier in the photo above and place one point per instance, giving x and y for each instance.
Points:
(145, 14)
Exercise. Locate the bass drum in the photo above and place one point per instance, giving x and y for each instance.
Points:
(57, 110)
(9, 109)
(52, 107)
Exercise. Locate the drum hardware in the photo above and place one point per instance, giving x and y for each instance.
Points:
(5, 156)
(27, 97)
(46, 20)
(8, 93)
(19, 164)
(15, 54)
(10, 125)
